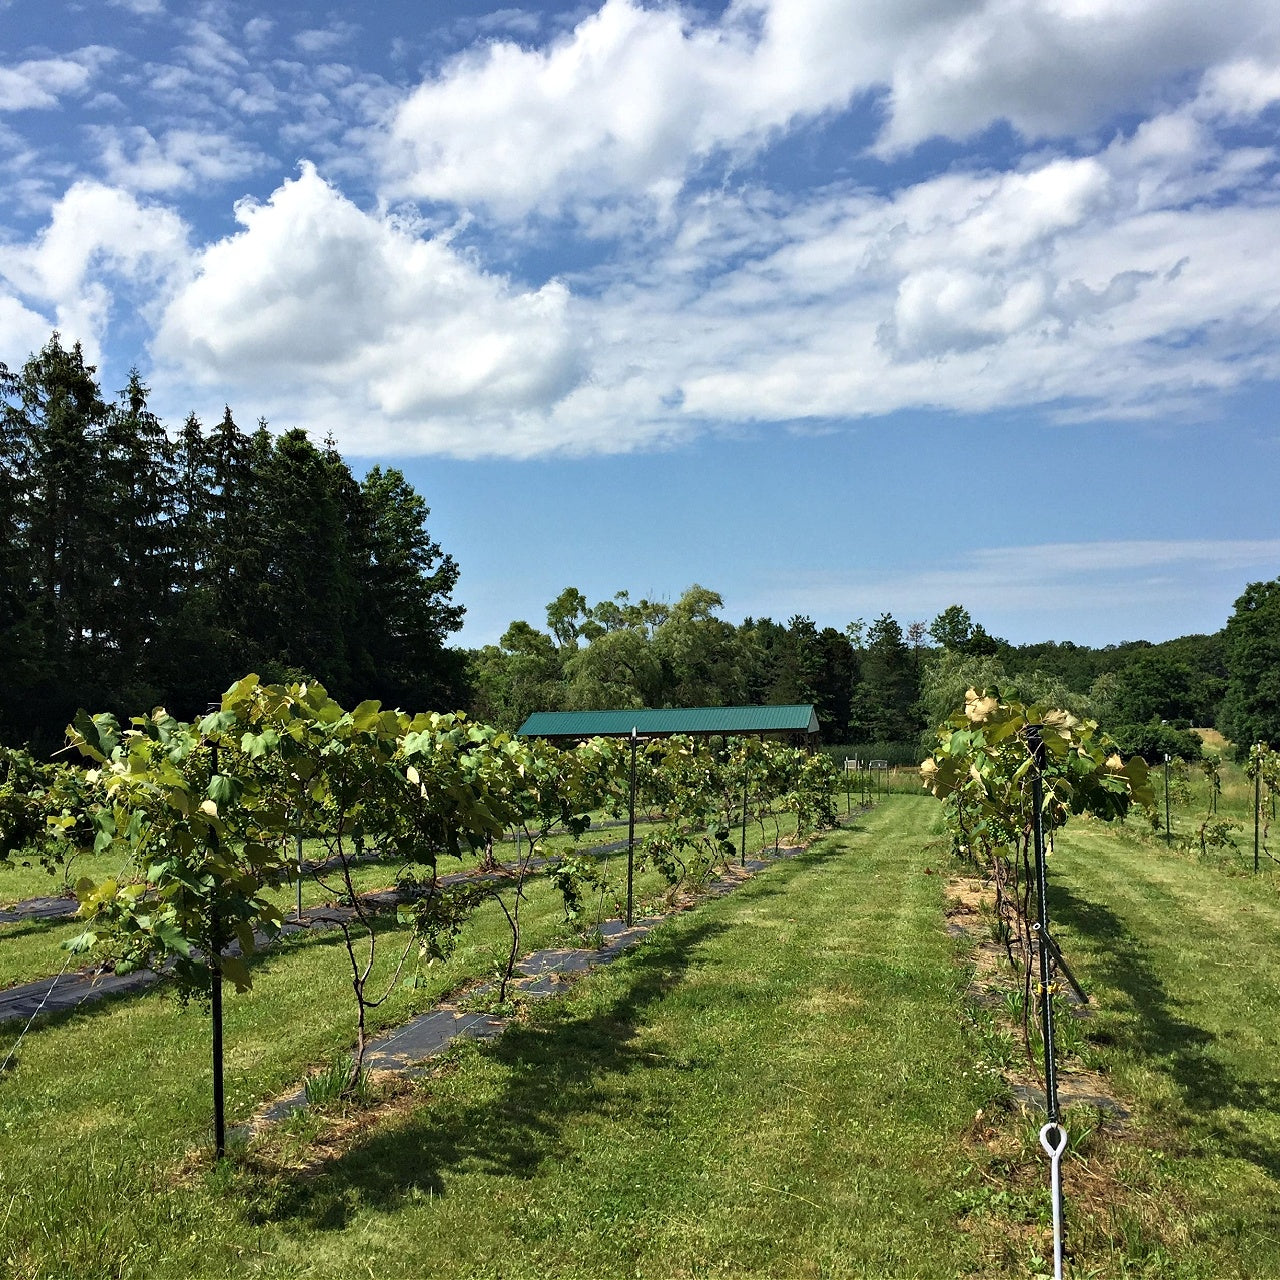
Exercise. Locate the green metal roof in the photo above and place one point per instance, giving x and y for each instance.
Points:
(695, 720)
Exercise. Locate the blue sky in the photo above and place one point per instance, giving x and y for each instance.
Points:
(835, 307)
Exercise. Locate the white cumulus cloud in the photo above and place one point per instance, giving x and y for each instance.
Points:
(633, 98)
(99, 239)
(330, 316)
(21, 330)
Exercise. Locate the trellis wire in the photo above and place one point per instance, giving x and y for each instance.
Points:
(4, 1066)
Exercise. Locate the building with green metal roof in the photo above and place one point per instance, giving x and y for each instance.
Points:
(663, 722)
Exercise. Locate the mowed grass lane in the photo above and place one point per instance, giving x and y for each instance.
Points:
(1184, 968)
(772, 1085)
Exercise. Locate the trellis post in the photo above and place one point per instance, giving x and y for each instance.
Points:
(631, 831)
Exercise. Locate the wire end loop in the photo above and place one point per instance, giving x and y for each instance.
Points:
(1053, 1138)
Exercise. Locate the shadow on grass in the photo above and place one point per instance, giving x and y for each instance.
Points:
(16, 929)
(553, 1071)
(1171, 1042)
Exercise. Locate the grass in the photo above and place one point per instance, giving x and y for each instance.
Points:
(105, 1106)
(33, 948)
(1185, 982)
(20, 880)
(781, 1083)
(1235, 805)
(754, 1091)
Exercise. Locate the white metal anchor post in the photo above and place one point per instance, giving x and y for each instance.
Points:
(1054, 1151)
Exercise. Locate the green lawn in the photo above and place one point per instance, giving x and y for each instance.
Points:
(1185, 972)
(780, 1083)
(31, 949)
(754, 1090)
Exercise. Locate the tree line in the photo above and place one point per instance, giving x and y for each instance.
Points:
(142, 566)
(881, 683)
(145, 566)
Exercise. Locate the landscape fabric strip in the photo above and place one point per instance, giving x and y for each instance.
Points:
(91, 985)
(87, 985)
(404, 1048)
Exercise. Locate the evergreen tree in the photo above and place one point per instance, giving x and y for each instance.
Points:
(14, 576)
(884, 703)
(191, 510)
(63, 533)
(838, 674)
(797, 663)
(140, 568)
(140, 464)
(303, 575)
(762, 656)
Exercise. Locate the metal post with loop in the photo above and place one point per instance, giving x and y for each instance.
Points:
(1168, 832)
(1053, 1137)
(1257, 807)
(631, 833)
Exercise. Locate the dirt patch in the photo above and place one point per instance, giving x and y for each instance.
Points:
(1076, 1088)
(967, 896)
(970, 901)
(333, 1129)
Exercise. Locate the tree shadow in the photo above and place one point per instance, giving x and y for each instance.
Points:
(554, 1066)
(13, 930)
(1170, 1041)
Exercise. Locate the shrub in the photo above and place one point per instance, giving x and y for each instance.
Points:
(1153, 740)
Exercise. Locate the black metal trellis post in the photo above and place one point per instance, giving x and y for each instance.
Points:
(1042, 923)
(1168, 834)
(743, 858)
(631, 832)
(215, 992)
(1257, 808)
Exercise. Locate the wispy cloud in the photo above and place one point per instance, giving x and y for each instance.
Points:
(322, 41)
(179, 159)
(40, 83)
(1095, 592)
(143, 8)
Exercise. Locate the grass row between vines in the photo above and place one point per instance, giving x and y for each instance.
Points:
(781, 1083)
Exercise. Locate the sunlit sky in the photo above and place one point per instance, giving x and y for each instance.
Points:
(835, 307)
